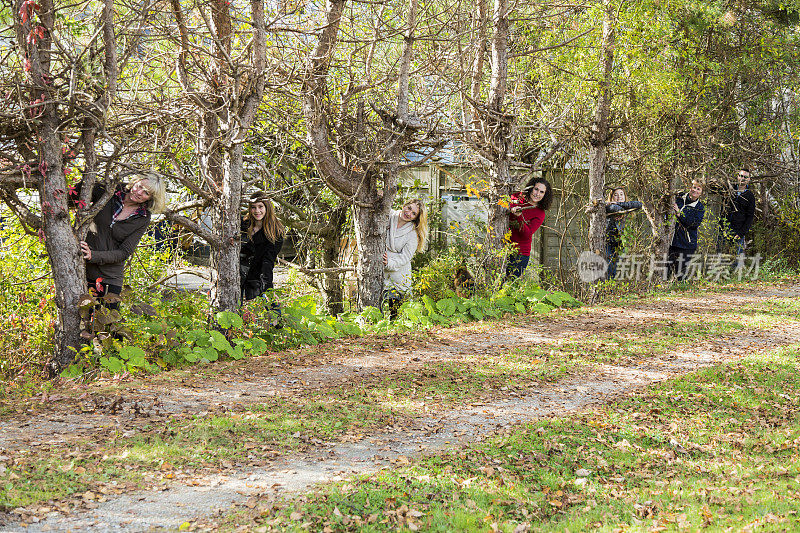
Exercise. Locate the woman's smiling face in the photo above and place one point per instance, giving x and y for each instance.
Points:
(410, 212)
(139, 193)
(258, 210)
(537, 193)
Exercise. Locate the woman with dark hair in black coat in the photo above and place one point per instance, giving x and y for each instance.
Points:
(262, 238)
(617, 208)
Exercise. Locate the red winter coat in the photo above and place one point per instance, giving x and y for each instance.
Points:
(524, 225)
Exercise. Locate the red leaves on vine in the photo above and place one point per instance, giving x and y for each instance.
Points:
(36, 34)
(26, 10)
(36, 110)
(73, 193)
(43, 168)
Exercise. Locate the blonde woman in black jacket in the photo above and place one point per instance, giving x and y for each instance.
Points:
(116, 231)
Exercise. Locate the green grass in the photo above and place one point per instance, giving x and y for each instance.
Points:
(520, 368)
(186, 447)
(251, 434)
(716, 450)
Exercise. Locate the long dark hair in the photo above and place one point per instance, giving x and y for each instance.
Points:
(272, 227)
(547, 199)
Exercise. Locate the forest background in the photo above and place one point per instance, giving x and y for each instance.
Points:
(325, 107)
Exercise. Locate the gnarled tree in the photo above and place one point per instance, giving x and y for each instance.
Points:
(224, 82)
(60, 89)
(358, 151)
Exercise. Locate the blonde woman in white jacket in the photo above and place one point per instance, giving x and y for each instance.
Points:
(408, 231)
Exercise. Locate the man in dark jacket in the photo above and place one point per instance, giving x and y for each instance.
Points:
(738, 211)
(689, 212)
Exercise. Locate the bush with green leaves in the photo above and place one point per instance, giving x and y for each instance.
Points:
(435, 279)
(173, 333)
(27, 307)
(511, 299)
(157, 338)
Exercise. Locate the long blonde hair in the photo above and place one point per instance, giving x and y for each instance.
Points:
(273, 228)
(420, 223)
(153, 184)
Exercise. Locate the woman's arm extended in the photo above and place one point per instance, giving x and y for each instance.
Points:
(623, 206)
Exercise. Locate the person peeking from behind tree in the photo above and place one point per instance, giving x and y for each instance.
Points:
(617, 208)
(407, 233)
(527, 210)
(262, 239)
(689, 212)
(738, 211)
(116, 231)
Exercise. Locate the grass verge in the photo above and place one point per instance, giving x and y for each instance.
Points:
(181, 449)
(716, 450)
(241, 436)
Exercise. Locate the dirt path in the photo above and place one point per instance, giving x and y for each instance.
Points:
(249, 382)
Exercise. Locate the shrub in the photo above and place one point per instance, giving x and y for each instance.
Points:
(435, 279)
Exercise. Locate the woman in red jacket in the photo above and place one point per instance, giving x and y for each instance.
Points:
(527, 214)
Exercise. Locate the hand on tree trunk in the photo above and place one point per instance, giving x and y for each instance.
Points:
(86, 251)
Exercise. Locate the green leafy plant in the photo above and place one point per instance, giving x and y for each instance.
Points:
(172, 333)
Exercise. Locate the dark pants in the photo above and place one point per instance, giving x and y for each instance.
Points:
(516, 266)
(678, 259)
(393, 299)
(101, 289)
(611, 257)
(726, 241)
(252, 289)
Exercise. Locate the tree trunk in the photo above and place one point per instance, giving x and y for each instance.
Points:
(357, 183)
(225, 120)
(599, 138)
(371, 224)
(662, 224)
(227, 222)
(66, 262)
(500, 181)
(332, 285)
(62, 248)
(498, 129)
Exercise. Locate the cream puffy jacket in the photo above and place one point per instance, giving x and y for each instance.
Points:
(401, 243)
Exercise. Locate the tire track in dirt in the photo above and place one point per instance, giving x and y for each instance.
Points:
(432, 433)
